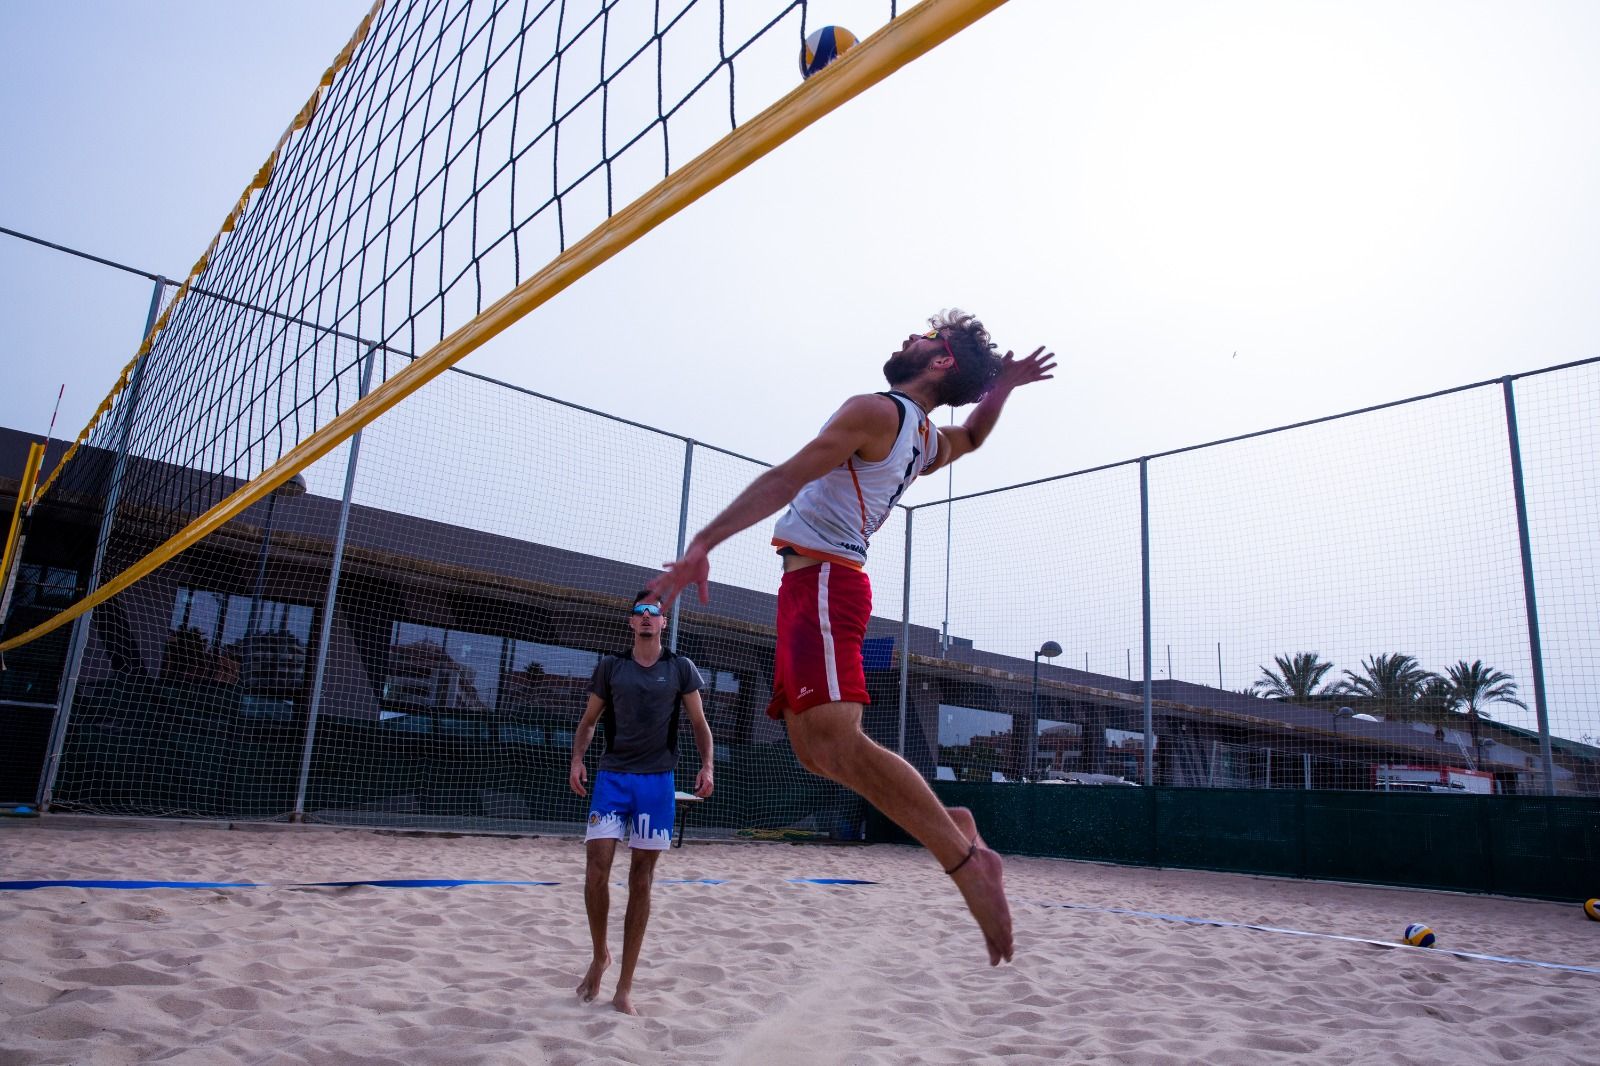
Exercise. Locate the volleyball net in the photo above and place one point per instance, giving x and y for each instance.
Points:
(459, 163)
(340, 577)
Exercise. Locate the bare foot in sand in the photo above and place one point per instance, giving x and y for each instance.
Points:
(981, 881)
(589, 987)
(622, 1002)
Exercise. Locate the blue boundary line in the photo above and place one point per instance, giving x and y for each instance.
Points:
(1223, 924)
(24, 886)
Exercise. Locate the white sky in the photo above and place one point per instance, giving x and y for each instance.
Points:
(1362, 200)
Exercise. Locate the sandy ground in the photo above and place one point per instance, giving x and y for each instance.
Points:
(756, 970)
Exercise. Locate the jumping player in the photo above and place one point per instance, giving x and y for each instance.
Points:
(839, 489)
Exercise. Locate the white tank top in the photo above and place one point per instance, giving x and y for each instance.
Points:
(834, 517)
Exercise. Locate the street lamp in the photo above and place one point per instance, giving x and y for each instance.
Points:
(1049, 650)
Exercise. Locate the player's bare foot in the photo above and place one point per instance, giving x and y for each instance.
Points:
(589, 987)
(622, 1002)
(980, 878)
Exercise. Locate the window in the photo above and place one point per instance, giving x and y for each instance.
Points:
(437, 669)
(976, 744)
(51, 587)
(552, 659)
(234, 639)
(547, 681)
(432, 668)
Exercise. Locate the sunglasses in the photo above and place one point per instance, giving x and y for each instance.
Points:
(938, 335)
(651, 609)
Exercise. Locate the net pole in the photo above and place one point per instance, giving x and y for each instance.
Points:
(683, 532)
(17, 534)
(905, 636)
(325, 629)
(79, 640)
(1144, 591)
(1535, 651)
(949, 520)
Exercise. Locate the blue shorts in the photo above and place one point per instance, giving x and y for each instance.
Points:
(633, 807)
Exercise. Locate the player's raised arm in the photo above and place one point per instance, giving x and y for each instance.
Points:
(862, 422)
(956, 441)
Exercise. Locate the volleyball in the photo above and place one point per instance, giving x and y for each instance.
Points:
(1591, 908)
(823, 47)
(1418, 935)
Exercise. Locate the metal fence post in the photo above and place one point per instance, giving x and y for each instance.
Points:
(905, 637)
(949, 528)
(683, 533)
(79, 639)
(1144, 588)
(1534, 650)
(325, 630)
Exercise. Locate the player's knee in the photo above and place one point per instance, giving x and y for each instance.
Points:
(827, 758)
(641, 872)
(808, 759)
(832, 760)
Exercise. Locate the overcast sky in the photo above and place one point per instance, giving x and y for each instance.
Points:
(1220, 216)
(1362, 200)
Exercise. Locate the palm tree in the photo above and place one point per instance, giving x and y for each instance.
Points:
(1395, 682)
(1297, 677)
(1436, 702)
(1477, 685)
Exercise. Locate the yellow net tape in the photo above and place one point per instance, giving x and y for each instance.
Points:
(30, 471)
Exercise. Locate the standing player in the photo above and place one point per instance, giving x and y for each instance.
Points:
(840, 488)
(639, 694)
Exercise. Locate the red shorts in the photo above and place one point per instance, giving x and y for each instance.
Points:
(822, 616)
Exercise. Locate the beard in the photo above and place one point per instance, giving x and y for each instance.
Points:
(903, 367)
(955, 390)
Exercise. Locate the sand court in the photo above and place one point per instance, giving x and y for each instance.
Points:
(760, 968)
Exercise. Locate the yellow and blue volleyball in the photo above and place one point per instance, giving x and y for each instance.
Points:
(1591, 909)
(1418, 935)
(823, 47)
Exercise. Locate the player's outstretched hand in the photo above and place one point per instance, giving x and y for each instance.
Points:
(577, 776)
(693, 569)
(1036, 367)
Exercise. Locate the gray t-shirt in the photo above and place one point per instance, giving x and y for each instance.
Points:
(641, 714)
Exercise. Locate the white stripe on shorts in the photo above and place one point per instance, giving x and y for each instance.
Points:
(832, 665)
